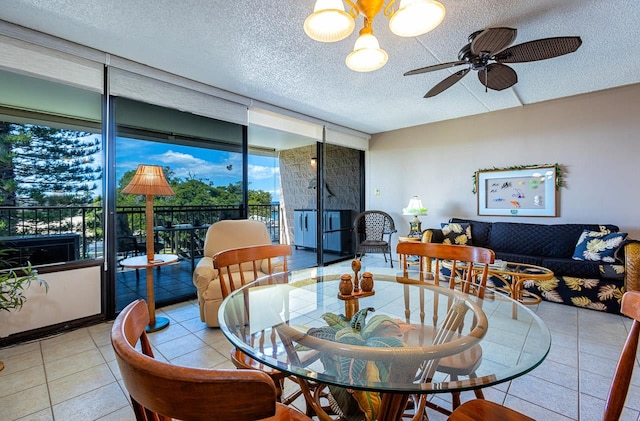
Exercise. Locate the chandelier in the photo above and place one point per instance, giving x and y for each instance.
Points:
(330, 23)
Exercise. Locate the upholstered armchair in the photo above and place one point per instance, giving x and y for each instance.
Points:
(224, 235)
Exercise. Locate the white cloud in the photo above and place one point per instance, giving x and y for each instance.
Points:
(186, 165)
(260, 172)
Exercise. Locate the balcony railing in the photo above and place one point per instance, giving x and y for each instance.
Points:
(86, 222)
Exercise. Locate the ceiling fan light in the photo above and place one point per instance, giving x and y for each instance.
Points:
(329, 22)
(367, 55)
(416, 17)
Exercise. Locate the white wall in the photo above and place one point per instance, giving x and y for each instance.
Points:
(594, 137)
(73, 294)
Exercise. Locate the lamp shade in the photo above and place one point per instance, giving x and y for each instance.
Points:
(367, 55)
(149, 180)
(416, 17)
(414, 207)
(329, 22)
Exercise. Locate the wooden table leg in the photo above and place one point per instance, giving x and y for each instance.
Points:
(155, 323)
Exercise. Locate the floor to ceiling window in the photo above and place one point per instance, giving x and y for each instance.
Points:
(302, 161)
(202, 160)
(51, 170)
(342, 188)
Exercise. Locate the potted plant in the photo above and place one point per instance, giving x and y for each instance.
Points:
(13, 283)
(379, 331)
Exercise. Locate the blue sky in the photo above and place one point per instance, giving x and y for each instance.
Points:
(209, 165)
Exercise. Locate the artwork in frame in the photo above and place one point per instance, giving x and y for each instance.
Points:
(522, 191)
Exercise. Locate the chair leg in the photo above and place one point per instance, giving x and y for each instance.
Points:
(455, 396)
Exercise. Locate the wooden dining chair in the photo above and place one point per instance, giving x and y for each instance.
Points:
(238, 267)
(482, 410)
(161, 391)
(469, 269)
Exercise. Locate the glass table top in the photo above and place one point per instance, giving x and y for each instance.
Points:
(296, 322)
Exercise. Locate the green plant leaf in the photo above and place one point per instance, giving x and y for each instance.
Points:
(358, 319)
(335, 321)
(378, 324)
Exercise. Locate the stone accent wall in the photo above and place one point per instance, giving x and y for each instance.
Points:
(298, 181)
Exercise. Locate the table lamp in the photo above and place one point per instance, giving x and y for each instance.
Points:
(149, 181)
(416, 209)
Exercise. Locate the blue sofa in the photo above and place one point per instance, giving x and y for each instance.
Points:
(596, 285)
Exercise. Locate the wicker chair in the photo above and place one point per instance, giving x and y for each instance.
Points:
(373, 230)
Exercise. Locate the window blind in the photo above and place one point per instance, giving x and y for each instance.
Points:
(154, 91)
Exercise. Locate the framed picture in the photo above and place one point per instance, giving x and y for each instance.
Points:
(529, 191)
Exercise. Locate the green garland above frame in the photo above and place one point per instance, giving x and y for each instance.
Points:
(520, 167)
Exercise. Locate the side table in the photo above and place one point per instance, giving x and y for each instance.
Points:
(141, 262)
(415, 260)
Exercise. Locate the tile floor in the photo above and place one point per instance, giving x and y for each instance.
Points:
(74, 376)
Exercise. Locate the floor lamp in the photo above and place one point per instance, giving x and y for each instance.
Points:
(149, 181)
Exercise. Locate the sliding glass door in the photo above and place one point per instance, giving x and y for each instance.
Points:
(342, 180)
(202, 159)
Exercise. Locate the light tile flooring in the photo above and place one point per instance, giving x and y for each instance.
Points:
(74, 376)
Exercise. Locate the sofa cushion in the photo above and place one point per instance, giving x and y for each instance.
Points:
(557, 240)
(479, 231)
(520, 258)
(598, 246)
(574, 268)
(456, 233)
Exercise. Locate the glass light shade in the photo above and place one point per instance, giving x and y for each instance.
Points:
(329, 22)
(367, 55)
(416, 17)
(414, 207)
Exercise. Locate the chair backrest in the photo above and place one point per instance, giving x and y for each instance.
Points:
(234, 233)
(124, 236)
(162, 391)
(469, 264)
(373, 225)
(238, 261)
(622, 377)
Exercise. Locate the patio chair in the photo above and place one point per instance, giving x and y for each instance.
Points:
(373, 230)
(162, 391)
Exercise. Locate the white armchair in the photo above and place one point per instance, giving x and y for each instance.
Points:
(224, 235)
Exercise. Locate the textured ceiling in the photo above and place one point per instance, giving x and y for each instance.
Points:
(258, 49)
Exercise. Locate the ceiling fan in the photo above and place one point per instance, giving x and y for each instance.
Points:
(487, 52)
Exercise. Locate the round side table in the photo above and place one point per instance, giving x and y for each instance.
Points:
(142, 262)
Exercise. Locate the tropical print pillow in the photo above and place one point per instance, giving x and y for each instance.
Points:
(456, 233)
(598, 246)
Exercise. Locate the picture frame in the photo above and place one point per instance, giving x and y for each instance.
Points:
(522, 191)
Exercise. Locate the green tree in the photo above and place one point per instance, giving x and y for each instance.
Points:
(192, 191)
(45, 166)
(259, 197)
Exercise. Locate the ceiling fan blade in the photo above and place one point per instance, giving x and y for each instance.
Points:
(434, 67)
(447, 83)
(493, 40)
(540, 49)
(498, 76)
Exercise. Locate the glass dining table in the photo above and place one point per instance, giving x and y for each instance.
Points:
(388, 349)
